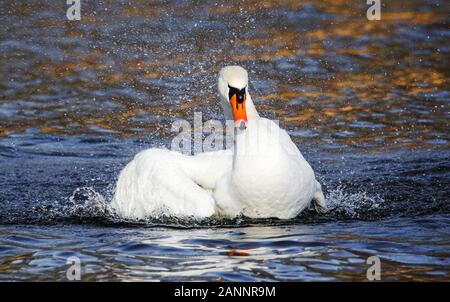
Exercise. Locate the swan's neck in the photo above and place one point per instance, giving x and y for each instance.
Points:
(241, 136)
(246, 141)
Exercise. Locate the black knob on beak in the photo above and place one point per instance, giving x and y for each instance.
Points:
(240, 94)
(240, 97)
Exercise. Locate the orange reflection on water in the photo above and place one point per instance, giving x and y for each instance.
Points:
(322, 67)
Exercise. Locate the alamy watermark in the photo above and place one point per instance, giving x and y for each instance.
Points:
(374, 11)
(74, 10)
(374, 271)
(189, 139)
(73, 273)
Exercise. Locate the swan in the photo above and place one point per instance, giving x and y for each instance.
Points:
(263, 175)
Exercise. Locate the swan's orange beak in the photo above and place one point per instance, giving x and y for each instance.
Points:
(237, 102)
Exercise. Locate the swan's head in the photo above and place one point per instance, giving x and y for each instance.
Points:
(233, 90)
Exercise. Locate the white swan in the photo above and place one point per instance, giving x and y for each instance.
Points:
(263, 175)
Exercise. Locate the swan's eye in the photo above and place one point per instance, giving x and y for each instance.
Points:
(240, 93)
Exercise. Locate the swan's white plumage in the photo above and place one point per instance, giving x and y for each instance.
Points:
(263, 175)
(269, 178)
(160, 181)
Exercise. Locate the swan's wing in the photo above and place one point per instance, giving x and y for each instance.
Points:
(283, 138)
(155, 183)
(318, 201)
(207, 168)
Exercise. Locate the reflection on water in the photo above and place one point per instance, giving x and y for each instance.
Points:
(324, 252)
(367, 102)
(316, 66)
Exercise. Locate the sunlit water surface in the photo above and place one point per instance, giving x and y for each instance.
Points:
(366, 102)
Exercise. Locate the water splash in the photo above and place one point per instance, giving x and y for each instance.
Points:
(88, 206)
(86, 202)
(358, 205)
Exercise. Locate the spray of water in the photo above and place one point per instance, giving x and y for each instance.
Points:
(86, 205)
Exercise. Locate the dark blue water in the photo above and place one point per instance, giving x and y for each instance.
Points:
(54, 204)
(366, 102)
(409, 248)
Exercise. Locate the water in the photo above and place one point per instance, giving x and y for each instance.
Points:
(411, 249)
(367, 103)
